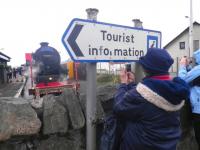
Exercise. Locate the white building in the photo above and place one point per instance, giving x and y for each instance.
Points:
(179, 46)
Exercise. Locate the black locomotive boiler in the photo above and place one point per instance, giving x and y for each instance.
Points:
(47, 64)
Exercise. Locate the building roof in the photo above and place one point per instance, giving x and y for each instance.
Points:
(179, 35)
(4, 57)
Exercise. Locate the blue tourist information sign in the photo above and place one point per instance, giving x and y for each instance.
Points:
(92, 41)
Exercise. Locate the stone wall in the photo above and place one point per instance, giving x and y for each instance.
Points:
(59, 124)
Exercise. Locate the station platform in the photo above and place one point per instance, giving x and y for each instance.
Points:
(12, 89)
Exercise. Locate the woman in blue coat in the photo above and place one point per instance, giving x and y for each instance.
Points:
(150, 109)
(192, 77)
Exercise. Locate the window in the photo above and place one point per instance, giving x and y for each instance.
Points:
(196, 45)
(182, 45)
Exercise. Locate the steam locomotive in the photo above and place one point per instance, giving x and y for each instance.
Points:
(47, 64)
(46, 71)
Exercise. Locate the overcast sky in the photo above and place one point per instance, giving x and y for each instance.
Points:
(26, 23)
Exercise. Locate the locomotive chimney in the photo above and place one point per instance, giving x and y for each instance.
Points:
(44, 43)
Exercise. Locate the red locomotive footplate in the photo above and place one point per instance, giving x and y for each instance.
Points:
(52, 87)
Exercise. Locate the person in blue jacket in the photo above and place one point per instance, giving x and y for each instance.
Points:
(150, 109)
(193, 78)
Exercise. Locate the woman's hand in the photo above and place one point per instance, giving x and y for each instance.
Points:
(131, 77)
(184, 61)
(126, 77)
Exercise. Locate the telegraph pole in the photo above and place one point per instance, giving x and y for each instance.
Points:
(91, 95)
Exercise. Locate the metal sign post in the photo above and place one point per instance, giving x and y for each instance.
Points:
(92, 41)
(91, 101)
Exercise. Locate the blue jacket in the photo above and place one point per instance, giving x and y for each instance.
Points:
(189, 77)
(151, 110)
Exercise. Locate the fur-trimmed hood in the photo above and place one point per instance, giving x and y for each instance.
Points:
(168, 95)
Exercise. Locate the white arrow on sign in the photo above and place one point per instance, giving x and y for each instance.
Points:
(91, 41)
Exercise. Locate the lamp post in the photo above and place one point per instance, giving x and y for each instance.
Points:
(191, 49)
(188, 38)
(191, 30)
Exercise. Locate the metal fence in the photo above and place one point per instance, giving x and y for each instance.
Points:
(111, 68)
